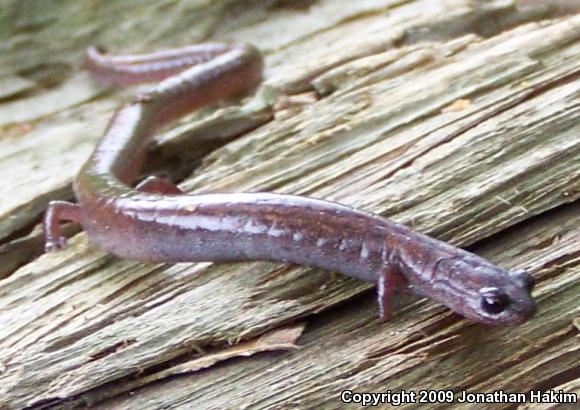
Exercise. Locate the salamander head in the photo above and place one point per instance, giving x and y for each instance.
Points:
(484, 293)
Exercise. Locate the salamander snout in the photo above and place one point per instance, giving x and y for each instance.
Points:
(511, 303)
(483, 292)
(523, 279)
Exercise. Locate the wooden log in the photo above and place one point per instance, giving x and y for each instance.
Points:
(459, 119)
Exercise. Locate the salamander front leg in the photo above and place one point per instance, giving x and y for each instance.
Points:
(385, 288)
(56, 213)
(156, 185)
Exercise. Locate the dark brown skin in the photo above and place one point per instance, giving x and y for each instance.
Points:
(157, 222)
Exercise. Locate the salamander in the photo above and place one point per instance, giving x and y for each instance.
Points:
(155, 221)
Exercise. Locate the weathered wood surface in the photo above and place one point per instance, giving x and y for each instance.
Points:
(459, 119)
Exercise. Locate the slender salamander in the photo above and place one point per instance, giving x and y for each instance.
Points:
(156, 221)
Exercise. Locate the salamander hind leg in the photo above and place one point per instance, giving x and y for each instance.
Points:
(56, 213)
(156, 185)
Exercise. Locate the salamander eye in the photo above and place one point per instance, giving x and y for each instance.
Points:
(493, 301)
